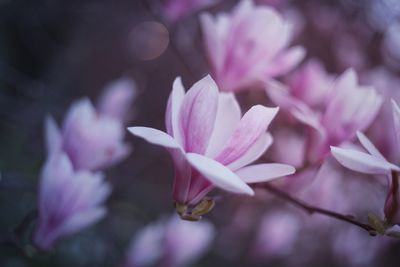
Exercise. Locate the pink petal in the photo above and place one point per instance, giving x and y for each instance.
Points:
(396, 120)
(197, 115)
(362, 162)
(82, 220)
(154, 136)
(367, 144)
(228, 117)
(173, 107)
(218, 174)
(53, 136)
(286, 61)
(264, 172)
(253, 124)
(256, 151)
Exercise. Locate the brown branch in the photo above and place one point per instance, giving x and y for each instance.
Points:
(313, 209)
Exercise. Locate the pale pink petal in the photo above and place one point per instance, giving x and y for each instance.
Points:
(396, 120)
(286, 61)
(264, 172)
(155, 136)
(218, 174)
(256, 151)
(228, 117)
(117, 98)
(362, 162)
(197, 115)
(82, 220)
(173, 107)
(367, 144)
(253, 124)
(53, 136)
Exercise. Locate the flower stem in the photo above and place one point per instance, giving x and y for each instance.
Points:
(317, 210)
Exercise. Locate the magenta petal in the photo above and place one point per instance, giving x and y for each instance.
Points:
(197, 115)
(256, 151)
(253, 124)
(173, 108)
(218, 174)
(228, 117)
(264, 172)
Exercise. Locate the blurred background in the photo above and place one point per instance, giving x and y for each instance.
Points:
(53, 52)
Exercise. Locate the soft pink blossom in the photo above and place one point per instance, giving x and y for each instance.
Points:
(68, 200)
(342, 111)
(212, 144)
(91, 140)
(374, 162)
(170, 243)
(248, 46)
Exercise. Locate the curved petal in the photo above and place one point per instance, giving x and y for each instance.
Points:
(154, 136)
(53, 136)
(264, 172)
(173, 107)
(197, 115)
(396, 120)
(228, 117)
(286, 61)
(362, 162)
(367, 144)
(257, 149)
(253, 124)
(218, 174)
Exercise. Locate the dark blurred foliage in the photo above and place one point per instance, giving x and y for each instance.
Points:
(53, 51)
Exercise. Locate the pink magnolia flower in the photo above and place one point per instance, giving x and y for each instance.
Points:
(374, 162)
(170, 243)
(68, 201)
(175, 10)
(91, 140)
(211, 145)
(248, 46)
(345, 109)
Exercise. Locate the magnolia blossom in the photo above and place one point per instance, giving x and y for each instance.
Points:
(91, 141)
(68, 200)
(374, 162)
(248, 46)
(211, 145)
(178, 9)
(170, 243)
(342, 111)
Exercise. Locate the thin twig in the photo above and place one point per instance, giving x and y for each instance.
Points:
(313, 209)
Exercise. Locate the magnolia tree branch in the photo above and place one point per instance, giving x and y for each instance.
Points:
(317, 210)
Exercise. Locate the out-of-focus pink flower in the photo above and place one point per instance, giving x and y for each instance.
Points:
(349, 108)
(311, 84)
(175, 10)
(276, 236)
(117, 98)
(211, 145)
(248, 46)
(68, 200)
(171, 243)
(91, 140)
(374, 162)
